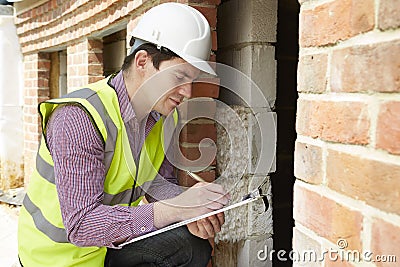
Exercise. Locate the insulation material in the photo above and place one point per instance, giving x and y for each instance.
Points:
(233, 151)
(236, 150)
(11, 112)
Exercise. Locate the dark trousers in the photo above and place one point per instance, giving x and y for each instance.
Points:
(177, 247)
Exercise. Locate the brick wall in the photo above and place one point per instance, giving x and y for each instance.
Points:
(347, 156)
(78, 28)
(36, 90)
(85, 63)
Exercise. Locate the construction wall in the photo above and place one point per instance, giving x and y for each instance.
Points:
(347, 159)
(246, 38)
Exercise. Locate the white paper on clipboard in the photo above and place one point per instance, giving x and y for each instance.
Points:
(179, 224)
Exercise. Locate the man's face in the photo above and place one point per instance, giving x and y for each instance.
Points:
(173, 80)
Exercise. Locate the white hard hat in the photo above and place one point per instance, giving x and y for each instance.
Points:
(179, 28)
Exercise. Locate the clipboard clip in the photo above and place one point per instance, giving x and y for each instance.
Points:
(257, 193)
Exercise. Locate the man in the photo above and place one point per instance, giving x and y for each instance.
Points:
(101, 155)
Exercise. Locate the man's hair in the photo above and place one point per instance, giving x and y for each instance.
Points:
(157, 55)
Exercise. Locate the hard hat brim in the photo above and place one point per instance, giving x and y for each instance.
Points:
(199, 64)
(194, 61)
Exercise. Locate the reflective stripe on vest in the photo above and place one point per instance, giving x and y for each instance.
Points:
(54, 233)
(40, 218)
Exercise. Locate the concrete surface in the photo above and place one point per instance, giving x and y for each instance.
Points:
(8, 236)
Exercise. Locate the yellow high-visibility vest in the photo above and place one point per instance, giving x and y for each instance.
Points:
(42, 239)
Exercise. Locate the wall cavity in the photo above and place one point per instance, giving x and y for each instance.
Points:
(246, 37)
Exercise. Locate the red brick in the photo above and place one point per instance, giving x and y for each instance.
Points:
(31, 13)
(43, 56)
(388, 127)
(306, 123)
(43, 65)
(43, 93)
(344, 122)
(93, 79)
(30, 107)
(200, 108)
(43, 74)
(194, 133)
(95, 69)
(30, 74)
(77, 70)
(206, 88)
(308, 163)
(94, 45)
(30, 104)
(326, 217)
(32, 146)
(95, 58)
(214, 45)
(31, 137)
(374, 67)
(32, 119)
(53, 4)
(210, 13)
(336, 20)
(46, 7)
(33, 128)
(375, 182)
(31, 92)
(28, 83)
(41, 99)
(43, 82)
(389, 14)
(193, 154)
(312, 73)
(385, 241)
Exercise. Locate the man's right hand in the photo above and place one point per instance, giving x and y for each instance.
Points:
(197, 200)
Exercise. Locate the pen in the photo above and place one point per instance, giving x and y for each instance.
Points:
(195, 176)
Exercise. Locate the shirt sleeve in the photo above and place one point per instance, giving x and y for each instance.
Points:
(78, 153)
(165, 185)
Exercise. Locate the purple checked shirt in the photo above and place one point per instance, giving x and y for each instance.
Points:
(78, 153)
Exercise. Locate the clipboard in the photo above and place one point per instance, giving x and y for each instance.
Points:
(253, 196)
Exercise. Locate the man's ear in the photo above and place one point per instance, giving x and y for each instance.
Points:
(141, 58)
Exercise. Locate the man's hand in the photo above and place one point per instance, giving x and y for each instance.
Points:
(207, 227)
(197, 200)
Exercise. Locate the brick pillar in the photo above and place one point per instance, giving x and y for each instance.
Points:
(85, 63)
(36, 79)
(347, 157)
(198, 129)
